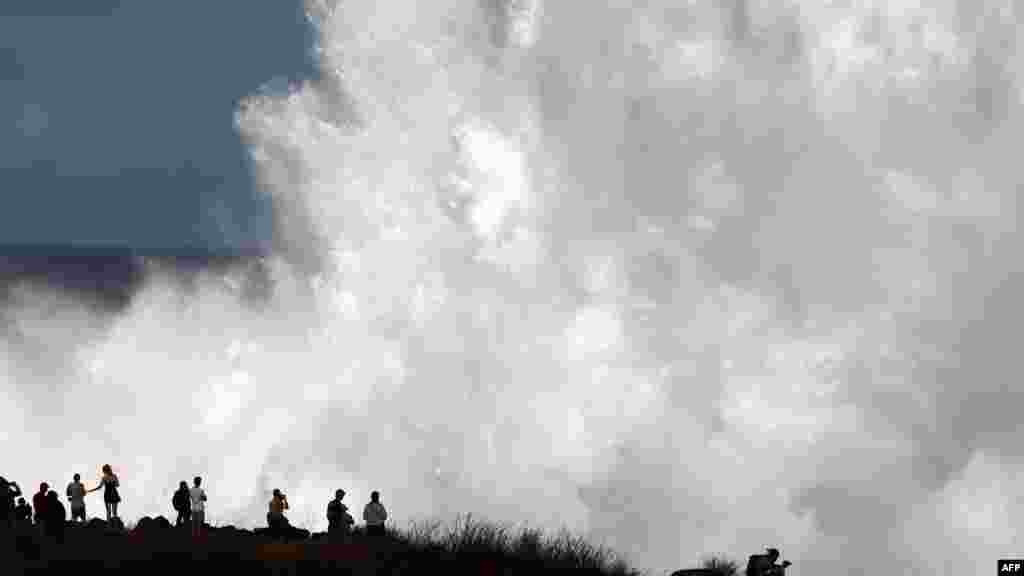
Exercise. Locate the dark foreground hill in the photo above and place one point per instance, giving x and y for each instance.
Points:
(154, 545)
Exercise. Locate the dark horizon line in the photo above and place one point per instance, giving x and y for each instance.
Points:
(109, 250)
(112, 273)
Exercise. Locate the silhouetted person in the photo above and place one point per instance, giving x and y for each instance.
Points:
(76, 498)
(56, 516)
(182, 503)
(8, 492)
(109, 483)
(764, 564)
(374, 515)
(276, 520)
(22, 514)
(39, 504)
(197, 497)
(339, 521)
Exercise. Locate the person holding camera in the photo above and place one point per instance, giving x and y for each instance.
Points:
(764, 564)
(276, 520)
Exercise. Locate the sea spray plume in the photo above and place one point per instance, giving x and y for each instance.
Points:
(631, 277)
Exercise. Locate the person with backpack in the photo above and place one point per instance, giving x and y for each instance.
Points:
(182, 503)
(76, 497)
(339, 521)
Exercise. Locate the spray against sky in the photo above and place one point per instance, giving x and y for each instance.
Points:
(693, 277)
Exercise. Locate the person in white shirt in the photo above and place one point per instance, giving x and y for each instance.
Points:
(374, 514)
(76, 497)
(198, 497)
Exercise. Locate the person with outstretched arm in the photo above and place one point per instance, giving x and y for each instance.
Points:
(109, 483)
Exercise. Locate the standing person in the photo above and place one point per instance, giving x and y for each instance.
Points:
(56, 516)
(374, 514)
(8, 492)
(338, 519)
(197, 496)
(76, 498)
(111, 497)
(39, 504)
(182, 502)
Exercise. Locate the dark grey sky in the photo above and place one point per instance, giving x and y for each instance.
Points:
(116, 119)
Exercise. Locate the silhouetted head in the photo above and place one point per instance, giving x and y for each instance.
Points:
(183, 485)
(773, 553)
(44, 487)
(339, 494)
(107, 469)
(374, 496)
(277, 493)
(51, 495)
(21, 501)
(197, 481)
(77, 477)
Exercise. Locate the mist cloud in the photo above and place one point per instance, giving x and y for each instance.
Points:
(691, 277)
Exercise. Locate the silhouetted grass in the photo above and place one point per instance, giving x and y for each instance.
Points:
(721, 566)
(526, 548)
(467, 546)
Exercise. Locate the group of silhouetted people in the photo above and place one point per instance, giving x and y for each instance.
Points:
(190, 504)
(47, 511)
(50, 514)
(339, 521)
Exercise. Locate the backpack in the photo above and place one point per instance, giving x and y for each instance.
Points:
(181, 500)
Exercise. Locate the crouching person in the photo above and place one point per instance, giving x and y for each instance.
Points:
(765, 564)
